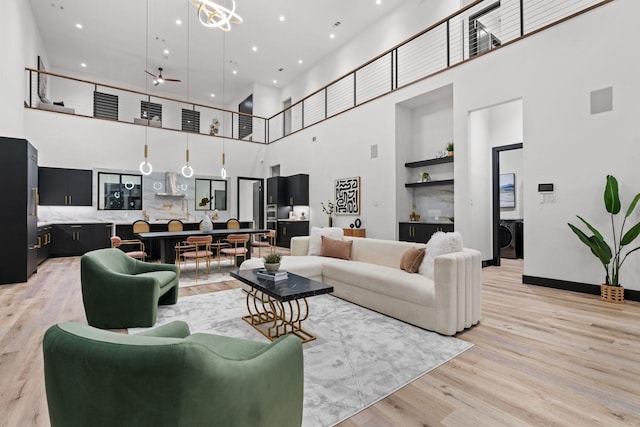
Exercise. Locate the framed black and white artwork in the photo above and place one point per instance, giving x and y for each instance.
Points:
(347, 196)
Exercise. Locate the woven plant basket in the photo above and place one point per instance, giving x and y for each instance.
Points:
(614, 294)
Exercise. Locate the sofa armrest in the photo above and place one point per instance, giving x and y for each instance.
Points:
(148, 267)
(175, 329)
(457, 282)
(300, 245)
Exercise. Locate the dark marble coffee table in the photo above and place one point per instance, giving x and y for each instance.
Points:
(279, 308)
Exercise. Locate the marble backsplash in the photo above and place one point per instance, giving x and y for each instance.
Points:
(158, 208)
(434, 204)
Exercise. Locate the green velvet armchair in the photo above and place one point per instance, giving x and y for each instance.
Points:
(168, 377)
(121, 292)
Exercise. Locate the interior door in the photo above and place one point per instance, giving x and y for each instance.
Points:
(258, 205)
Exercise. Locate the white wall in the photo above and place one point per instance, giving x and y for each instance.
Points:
(554, 73)
(406, 20)
(21, 46)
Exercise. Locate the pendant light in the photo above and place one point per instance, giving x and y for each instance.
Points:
(145, 167)
(187, 170)
(223, 170)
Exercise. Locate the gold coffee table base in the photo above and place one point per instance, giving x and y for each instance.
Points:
(273, 318)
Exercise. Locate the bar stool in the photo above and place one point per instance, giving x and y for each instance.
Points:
(175, 225)
(233, 224)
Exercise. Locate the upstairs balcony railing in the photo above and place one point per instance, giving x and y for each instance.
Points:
(473, 31)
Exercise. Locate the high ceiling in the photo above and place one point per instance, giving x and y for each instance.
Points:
(120, 39)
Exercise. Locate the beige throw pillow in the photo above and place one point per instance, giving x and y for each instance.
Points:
(412, 259)
(336, 248)
(315, 241)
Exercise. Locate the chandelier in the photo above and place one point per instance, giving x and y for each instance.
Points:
(214, 15)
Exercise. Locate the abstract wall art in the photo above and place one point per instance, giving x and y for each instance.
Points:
(347, 195)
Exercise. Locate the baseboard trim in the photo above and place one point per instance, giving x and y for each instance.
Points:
(566, 285)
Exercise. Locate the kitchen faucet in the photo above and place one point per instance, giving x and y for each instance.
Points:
(185, 203)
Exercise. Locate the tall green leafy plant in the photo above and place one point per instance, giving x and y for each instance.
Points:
(611, 258)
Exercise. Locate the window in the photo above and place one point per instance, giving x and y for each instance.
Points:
(150, 110)
(190, 120)
(119, 192)
(105, 105)
(482, 29)
(245, 123)
(211, 194)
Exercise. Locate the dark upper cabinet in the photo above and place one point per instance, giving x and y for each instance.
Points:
(65, 187)
(288, 190)
(298, 190)
(277, 190)
(19, 218)
(420, 232)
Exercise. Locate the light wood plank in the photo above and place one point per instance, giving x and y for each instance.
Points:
(541, 357)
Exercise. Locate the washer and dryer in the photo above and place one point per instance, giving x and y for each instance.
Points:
(511, 238)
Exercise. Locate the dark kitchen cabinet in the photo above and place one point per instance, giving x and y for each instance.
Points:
(298, 190)
(77, 239)
(289, 229)
(420, 232)
(44, 242)
(277, 190)
(288, 190)
(65, 187)
(19, 218)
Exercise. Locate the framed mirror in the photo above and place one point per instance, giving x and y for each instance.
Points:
(119, 192)
(211, 194)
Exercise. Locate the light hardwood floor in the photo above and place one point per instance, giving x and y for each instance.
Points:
(541, 357)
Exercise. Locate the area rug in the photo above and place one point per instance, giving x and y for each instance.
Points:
(359, 358)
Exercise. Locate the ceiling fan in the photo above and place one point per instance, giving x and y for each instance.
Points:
(159, 79)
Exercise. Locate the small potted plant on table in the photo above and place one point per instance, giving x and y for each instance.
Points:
(611, 258)
(272, 262)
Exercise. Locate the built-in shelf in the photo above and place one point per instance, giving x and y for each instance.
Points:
(429, 183)
(429, 162)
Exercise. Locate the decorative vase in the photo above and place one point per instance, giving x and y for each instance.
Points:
(450, 153)
(207, 225)
(614, 294)
(272, 266)
(330, 221)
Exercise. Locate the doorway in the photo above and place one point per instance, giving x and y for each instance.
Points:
(507, 202)
(251, 200)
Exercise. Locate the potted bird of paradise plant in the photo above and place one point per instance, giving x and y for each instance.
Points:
(611, 256)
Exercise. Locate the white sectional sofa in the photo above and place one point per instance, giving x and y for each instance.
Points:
(373, 278)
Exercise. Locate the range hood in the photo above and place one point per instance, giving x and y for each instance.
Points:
(171, 186)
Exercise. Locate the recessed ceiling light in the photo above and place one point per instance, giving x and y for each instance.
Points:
(83, 65)
(275, 81)
(178, 22)
(213, 95)
(300, 61)
(254, 48)
(166, 51)
(282, 18)
(332, 36)
(79, 26)
(235, 72)
(378, 1)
